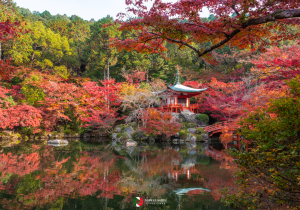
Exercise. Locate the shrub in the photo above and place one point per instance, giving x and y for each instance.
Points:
(118, 135)
(67, 131)
(136, 136)
(203, 118)
(200, 131)
(182, 134)
(192, 125)
(199, 137)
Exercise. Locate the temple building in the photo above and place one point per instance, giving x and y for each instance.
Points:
(176, 98)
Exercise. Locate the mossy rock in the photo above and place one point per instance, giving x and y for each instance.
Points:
(118, 128)
(125, 136)
(191, 125)
(183, 134)
(200, 131)
(139, 135)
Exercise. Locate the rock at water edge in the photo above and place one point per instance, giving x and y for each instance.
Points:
(129, 130)
(57, 142)
(131, 143)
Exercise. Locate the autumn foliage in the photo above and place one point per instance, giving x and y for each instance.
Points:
(158, 123)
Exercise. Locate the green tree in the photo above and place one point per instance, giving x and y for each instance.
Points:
(100, 54)
(269, 174)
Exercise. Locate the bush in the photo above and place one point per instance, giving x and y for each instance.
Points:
(200, 131)
(118, 135)
(136, 136)
(67, 131)
(203, 118)
(199, 137)
(183, 134)
(192, 125)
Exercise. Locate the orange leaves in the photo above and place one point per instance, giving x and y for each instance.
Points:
(158, 123)
(6, 70)
(276, 61)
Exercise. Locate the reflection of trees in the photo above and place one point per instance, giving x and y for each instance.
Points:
(46, 178)
(148, 172)
(17, 165)
(219, 174)
(37, 186)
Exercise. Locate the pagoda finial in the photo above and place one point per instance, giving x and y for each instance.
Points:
(177, 81)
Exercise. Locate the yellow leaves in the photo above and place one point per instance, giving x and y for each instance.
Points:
(128, 89)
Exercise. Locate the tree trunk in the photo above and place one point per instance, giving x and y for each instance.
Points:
(104, 77)
(0, 51)
(147, 76)
(108, 68)
(108, 85)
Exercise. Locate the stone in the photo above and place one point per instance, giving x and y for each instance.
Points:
(86, 135)
(118, 129)
(176, 135)
(131, 143)
(125, 136)
(114, 136)
(193, 139)
(176, 116)
(129, 130)
(57, 141)
(192, 130)
(205, 136)
(152, 140)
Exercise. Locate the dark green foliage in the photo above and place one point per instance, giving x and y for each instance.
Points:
(72, 126)
(203, 118)
(200, 131)
(16, 81)
(182, 134)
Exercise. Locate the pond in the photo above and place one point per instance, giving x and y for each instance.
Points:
(99, 176)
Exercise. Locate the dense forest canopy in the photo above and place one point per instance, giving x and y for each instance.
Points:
(73, 46)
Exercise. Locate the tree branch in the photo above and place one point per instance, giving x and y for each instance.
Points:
(277, 15)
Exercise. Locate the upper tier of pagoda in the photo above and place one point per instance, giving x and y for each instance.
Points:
(179, 89)
(176, 98)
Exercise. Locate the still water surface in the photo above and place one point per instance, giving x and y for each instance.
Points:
(99, 176)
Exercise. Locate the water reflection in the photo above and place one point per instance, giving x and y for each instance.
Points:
(99, 176)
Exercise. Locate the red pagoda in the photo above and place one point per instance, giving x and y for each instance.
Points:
(176, 98)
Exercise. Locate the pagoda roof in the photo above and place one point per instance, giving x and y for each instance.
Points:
(182, 88)
(178, 87)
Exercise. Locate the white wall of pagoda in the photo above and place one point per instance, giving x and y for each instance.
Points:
(174, 100)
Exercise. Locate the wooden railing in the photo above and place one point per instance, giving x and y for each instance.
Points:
(216, 126)
(236, 138)
(176, 108)
(173, 108)
(194, 108)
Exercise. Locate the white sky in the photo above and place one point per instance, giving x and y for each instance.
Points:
(86, 9)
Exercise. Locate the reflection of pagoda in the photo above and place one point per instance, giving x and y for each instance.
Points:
(184, 169)
(176, 98)
(192, 164)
